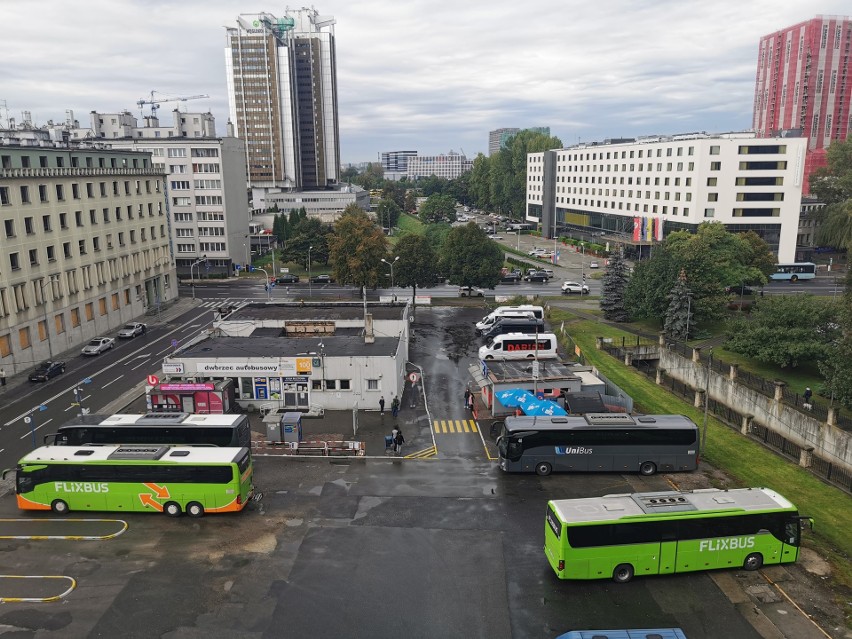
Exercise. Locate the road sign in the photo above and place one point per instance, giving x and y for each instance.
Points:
(413, 377)
(535, 370)
(153, 380)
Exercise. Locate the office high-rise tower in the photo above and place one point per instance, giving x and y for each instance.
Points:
(801, 84)
(282, 92)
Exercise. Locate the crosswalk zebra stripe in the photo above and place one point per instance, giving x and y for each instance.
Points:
(454, 426)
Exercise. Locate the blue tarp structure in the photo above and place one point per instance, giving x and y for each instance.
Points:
(529, 403)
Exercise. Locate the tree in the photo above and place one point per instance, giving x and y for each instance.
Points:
(785, 330)
(395, 192)
(356, 249)
(348, 174)
(836, 366)
(508, 170)
(387, 213)
(480, 182)
(438, 208)
(309, 233)
(832, 184)
(417, 262)
(433, 185)
(437, 235)
(679, 314)
(469, 258)
(614, 287)
(712, 258)
(410, 205)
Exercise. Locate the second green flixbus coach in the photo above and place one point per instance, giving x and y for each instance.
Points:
(619, 536)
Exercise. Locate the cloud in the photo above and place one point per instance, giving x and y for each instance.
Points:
(419, 75)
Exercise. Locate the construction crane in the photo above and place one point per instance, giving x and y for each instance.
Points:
(155, 103)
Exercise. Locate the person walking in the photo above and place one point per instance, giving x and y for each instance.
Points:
(2, 376)
(382, 404)
(807, 397)
(395, 406)
(398, 440)
(466, 398)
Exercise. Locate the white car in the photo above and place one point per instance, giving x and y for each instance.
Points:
(536, 251)
(98, 345)
(494, 236)
(574, 287)
(132, 330)
(471, 291)
(594, 265)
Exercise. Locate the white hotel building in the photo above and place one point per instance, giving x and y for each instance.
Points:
(639, 191)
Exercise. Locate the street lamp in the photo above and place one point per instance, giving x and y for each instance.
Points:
(391, 268)
(310, 283)
(30, 421)
(192, 266)
(78, 395)
(50, 280)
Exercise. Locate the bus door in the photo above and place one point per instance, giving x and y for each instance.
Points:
(668, 553)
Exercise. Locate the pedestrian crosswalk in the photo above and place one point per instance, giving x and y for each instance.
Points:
(232, 302)
(457, 426)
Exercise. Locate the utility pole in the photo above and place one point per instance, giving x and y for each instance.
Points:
(706, 398)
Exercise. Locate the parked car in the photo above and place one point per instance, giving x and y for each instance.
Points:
(46, 370)
(574, 287)
(535, 251)
(537, 276)
(494, 236)
(321, 279)
(739, 289)
(594, 265)
(549, 272)
(471, 291)
(98, 345)
(132, 330)
(511, 277)
(287, 278)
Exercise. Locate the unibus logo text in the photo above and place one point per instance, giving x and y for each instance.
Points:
(573, 450)
(80, 487)
(734, 543)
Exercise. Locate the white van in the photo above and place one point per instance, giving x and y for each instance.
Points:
(520, 346)
(488, 321)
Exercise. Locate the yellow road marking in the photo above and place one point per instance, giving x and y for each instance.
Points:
(38, 599)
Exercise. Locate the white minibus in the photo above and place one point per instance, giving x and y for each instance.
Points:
(520, 346)
(488, 321)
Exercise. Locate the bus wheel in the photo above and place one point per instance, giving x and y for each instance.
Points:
(647, 468)
(753, 561)
(543, 469)
(794, 278)
(172, 509)
(58, 506)
(194, 509)
(622, 573)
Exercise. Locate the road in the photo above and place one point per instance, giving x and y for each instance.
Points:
(111, 373)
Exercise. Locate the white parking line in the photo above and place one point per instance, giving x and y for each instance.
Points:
(112, 382)
(142, 363)
(31, 430)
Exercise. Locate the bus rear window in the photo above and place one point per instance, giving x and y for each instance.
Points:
(244, 462)
(553, 522)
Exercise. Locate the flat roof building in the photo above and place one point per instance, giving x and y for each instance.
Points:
(638, 191)
(448, 166)
(302, 356)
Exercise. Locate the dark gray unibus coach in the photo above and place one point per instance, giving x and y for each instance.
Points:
(598, 442)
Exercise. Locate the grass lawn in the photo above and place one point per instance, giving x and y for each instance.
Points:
(410, 224)
(748, 463)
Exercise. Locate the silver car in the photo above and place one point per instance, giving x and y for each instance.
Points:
(132, 330)
(98, 345)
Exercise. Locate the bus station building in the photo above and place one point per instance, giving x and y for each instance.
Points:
(299, 356)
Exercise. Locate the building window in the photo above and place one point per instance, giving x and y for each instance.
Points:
(29, 227)
(75, 317)
(5, 345)
(712, 197)
(373, 384)
(102, 306)
(14, 262)
(90, 312)
(709, 212)
(712, 181)
(10, 227)
(25, 195)
(331, 384)
(4, 195)
(115, 301)
(24, 337)
(345, 384)
(42, 193)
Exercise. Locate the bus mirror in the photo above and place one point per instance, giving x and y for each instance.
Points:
(5, 472)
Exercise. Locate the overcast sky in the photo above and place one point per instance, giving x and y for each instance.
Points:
(423, 75)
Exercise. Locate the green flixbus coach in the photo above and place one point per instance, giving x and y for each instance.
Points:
(619, 536)
(135, 478)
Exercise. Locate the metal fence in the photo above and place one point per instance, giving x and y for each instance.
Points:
(822, 468)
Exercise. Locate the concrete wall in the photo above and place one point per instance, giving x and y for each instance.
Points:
(829, 442)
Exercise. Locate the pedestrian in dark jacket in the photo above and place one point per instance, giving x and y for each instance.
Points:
(807, 397)
(382, 404)
(395, 406)
(398, 441)
(467, 398)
